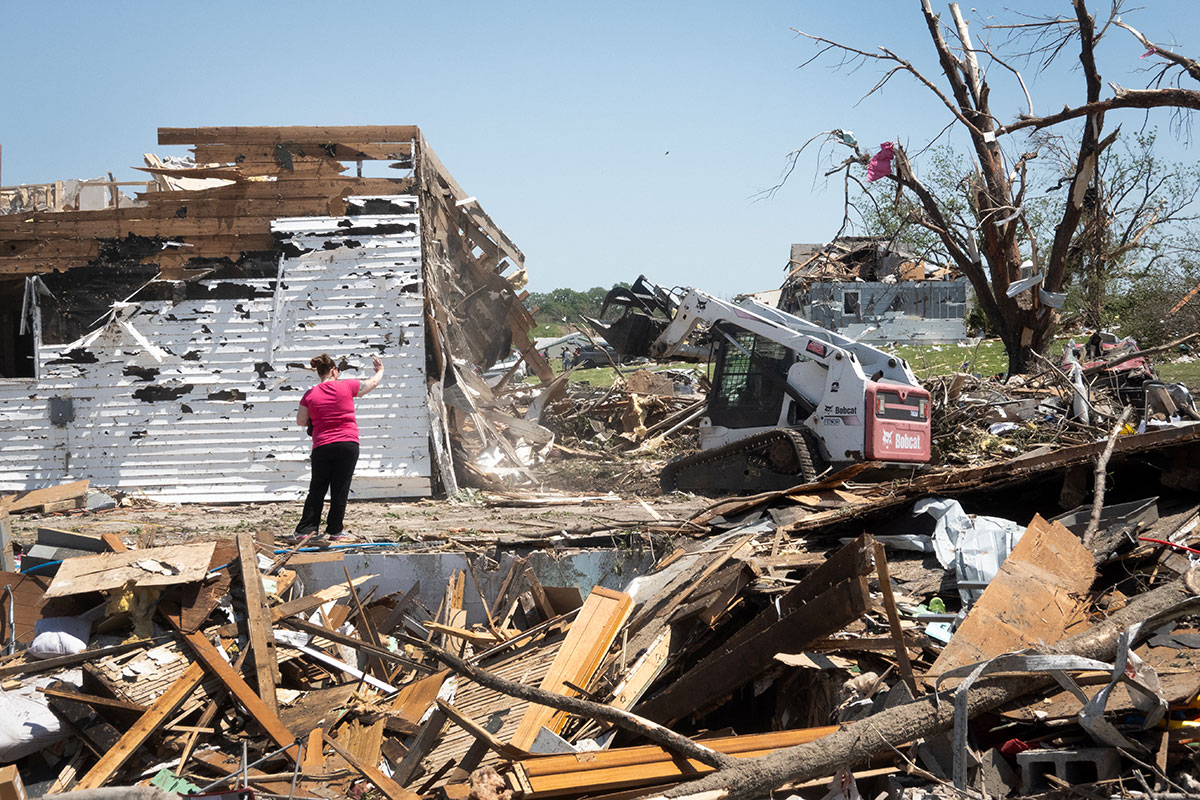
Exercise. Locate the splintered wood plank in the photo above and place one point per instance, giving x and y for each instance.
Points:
(1039, 592)
(383, 783)
(242, 692)
(262, 643)
(314, 752)
(155, 566)
(141, 730)
(589, 639)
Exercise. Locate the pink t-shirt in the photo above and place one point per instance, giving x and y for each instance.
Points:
(331, 407)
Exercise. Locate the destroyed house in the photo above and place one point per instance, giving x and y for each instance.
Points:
(159, 344)
(874, 290)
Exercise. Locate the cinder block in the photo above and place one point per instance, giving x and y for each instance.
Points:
(1079, 766)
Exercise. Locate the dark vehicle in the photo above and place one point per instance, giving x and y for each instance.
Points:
(591, 356)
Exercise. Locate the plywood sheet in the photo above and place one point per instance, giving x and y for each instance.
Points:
(155, 566)
(1036, 596)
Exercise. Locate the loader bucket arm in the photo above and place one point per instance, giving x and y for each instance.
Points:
(647, 310)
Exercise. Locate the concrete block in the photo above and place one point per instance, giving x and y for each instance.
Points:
(53, 537)
(1079, 766)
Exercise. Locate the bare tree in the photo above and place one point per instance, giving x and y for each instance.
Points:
(989, 238)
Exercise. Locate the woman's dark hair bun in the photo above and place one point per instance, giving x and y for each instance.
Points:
(323, 364)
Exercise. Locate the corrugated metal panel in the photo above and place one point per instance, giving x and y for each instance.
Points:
(216, 421)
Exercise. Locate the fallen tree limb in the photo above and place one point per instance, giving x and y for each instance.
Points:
(660, 735)
(1149, 351)
(932, 714)
(1101, 479)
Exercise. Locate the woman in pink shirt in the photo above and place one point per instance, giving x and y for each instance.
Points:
(329, 407)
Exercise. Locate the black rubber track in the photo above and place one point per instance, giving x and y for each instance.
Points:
(775, 459)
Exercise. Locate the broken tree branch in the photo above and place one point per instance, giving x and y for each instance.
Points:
(660, 735)
(1190, 65)
(932, 714)
(1101, 470)
(1122, 98)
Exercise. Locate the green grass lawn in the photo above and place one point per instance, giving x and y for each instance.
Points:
(985, 358)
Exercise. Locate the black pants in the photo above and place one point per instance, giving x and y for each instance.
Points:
(332, 469)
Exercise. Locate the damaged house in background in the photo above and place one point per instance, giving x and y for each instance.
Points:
(873, 290)
(160, 345)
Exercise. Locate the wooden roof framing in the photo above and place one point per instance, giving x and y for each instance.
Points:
(275, 172)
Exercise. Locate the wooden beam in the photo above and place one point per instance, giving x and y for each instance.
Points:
(147, 724)
(242, 692)
(889, 605)
(383, 783)
(262, 642)
(93, 700)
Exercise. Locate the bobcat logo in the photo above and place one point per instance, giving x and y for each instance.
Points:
(887, 438)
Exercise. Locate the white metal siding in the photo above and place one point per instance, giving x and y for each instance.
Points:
(350, 296)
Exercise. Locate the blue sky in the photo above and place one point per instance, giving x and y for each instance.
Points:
(607, 139)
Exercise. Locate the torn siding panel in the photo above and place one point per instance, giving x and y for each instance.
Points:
(196, 400)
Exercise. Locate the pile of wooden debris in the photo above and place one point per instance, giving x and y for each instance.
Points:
(863, 633)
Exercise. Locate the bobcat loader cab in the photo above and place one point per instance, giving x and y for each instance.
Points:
(788, 397)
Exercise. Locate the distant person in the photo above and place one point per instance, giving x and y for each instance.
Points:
(327, 410)
(566, 359)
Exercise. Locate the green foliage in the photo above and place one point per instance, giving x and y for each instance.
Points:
(565, 306)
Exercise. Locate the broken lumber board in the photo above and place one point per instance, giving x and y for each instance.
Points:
(1035, 598)
(588, 641)
(187, 562)
(266, 718)
(382, 782)
(141, 730)
(644, 765)
(482, 638)
(262, 642)
(36, 498)
(826, 600)
(93, 700)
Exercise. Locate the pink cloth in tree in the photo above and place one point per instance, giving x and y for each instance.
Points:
(881, 162)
